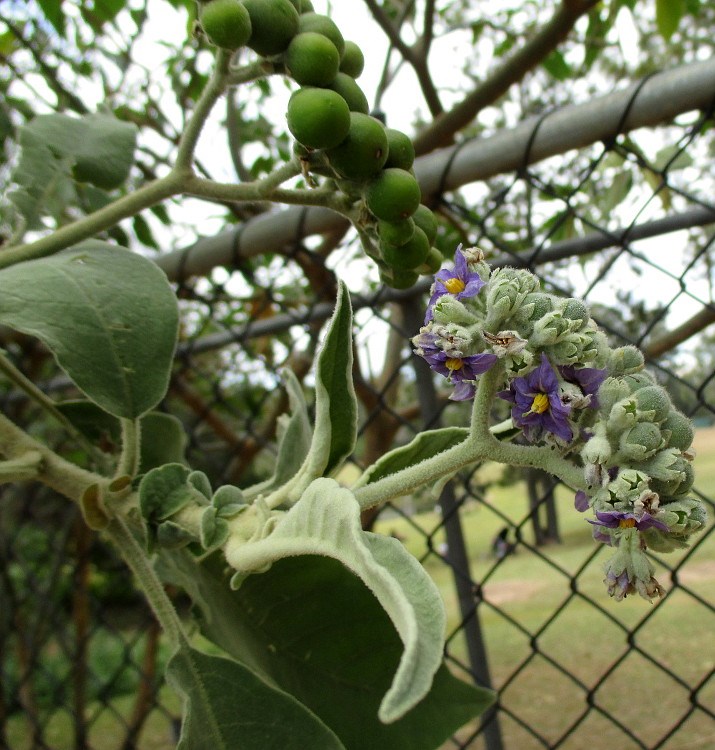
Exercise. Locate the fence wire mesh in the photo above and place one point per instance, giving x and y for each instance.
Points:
(619, 223)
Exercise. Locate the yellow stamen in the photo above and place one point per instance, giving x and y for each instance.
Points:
(454, 286)
(454, 364)
(539, 405)
(627, 523)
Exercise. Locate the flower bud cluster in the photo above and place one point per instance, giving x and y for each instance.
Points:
(638, 466)
(570, 390)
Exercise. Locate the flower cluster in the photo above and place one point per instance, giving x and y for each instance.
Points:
(569, 390)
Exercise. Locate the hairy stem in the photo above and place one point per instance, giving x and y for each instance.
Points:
(136, 558)
(131, 440)
(481, 445)
(62, 476)
(99, 221)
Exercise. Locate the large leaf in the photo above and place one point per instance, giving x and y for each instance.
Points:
(326, 521)
(108, 315)
(315, 630)
(227, 706)
(57, 148)
(335, 402)
(423, 446)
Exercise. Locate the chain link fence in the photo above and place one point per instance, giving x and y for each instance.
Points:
(624, 221)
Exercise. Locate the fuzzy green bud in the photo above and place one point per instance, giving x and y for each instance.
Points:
(641, 441)
(536, 305)
(508, 288)
(638, 380)
(448, 309)
(626, 360)
(575, 310)
(654, 399)
(611, 391)
(597, 450)
(678, 430)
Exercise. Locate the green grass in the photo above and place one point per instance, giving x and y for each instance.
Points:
(106, 728)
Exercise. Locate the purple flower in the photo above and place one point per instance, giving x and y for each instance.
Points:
(581, 501)
(459, 282)
(588, 379)
(537, 403)
(459, 370)
(616, 519)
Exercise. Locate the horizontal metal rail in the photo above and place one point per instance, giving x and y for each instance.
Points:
(647, 103)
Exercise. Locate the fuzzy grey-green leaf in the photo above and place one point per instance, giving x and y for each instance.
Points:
(109, 317)
(335, 401)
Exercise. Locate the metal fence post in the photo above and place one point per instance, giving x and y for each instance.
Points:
(457, 556)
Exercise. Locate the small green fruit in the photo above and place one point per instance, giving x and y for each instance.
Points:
(353, 60)
(363, 152)
(350, 91)
(312, 59)
(395, 232)
(318, 118)
(321, 24)
(274, 23)
(426, 221)
(398, 279)
(302, 6)
(433, 262)
(393, 195)
(401, 152)
(226, 23)
(409, 256)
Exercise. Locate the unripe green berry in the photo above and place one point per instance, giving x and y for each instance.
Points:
(401, 152)
(396, 232)
(324, 25)
(398, 279)
(273, 24)
(426, 221)
(363, 151)
(318, 118)
(346, 86)
(312, 59)
(408, 256)
(226, 23)
(433, 262)
(302, 6)
(353, 60)
(393, 195)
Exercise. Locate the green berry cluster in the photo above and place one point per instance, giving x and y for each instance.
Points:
(335, 135)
